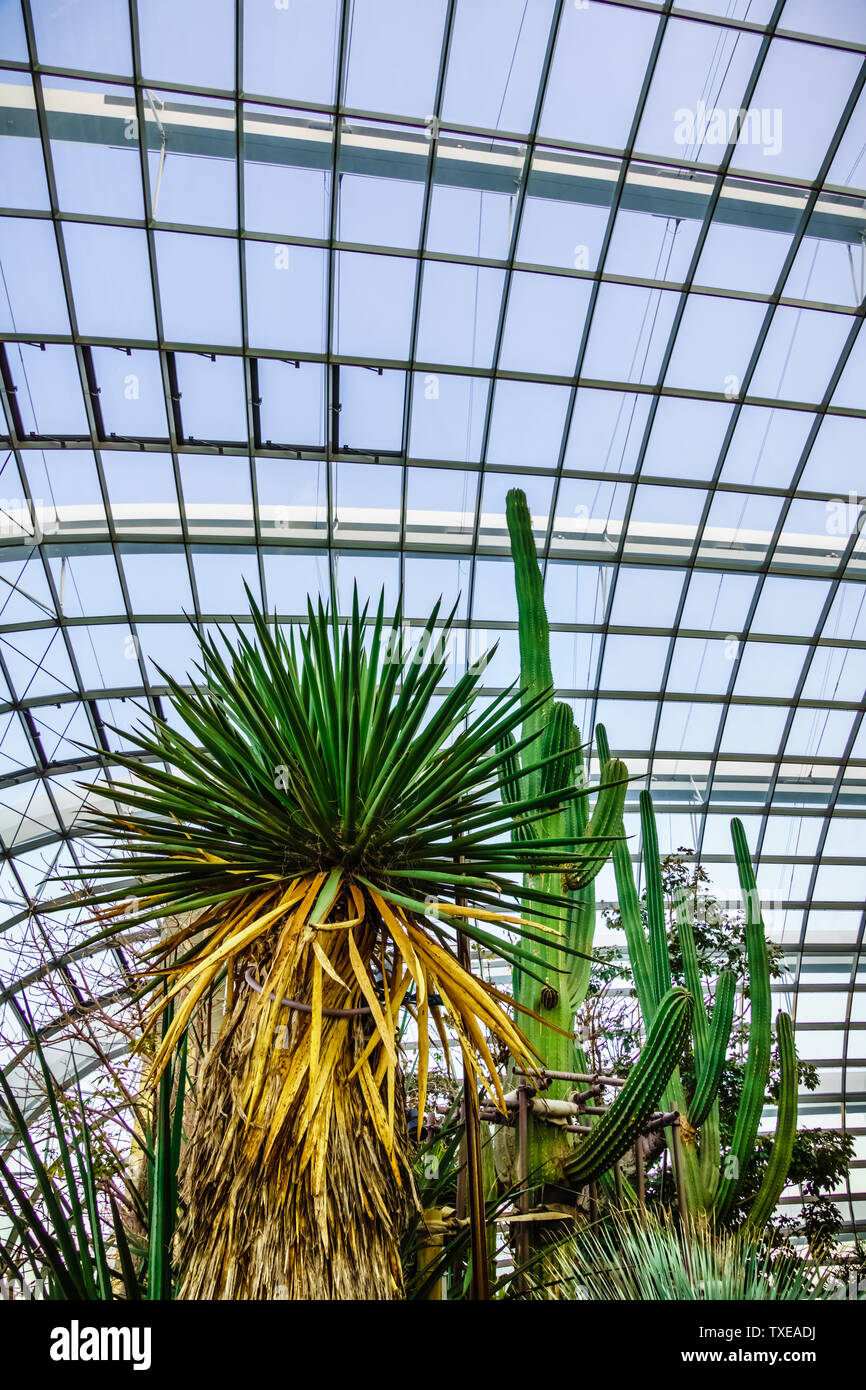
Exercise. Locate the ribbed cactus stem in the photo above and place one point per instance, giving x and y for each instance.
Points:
(658, 935)
(603, 826)
(692, 972)
(776, 1174)
(533, 630)
(620, 1126)
(710, 1059)
(758, 1056)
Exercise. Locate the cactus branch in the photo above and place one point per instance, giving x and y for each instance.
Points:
(620, 1126)
(786, 1127)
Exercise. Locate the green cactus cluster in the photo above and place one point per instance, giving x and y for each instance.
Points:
(671, 1016)
(553, 996)
(712, 1181)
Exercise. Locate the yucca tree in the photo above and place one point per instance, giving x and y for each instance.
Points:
(320, 833)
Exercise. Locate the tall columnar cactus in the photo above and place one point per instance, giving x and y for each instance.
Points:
(554, 993)
(711, 1180)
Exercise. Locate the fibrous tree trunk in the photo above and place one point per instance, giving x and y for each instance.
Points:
(315, 1215)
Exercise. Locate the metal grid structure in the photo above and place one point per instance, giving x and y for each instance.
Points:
(294, 290)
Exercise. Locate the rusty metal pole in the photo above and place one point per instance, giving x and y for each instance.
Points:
(641, 1172)
(523, 1094)
(480, 1285)
(480, 1282)
(677, 1154)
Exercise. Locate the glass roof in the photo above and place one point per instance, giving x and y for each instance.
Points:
(293, 291)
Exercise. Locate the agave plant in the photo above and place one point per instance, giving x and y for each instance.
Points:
(650, 1258)
(315, 841)
(59, 1226)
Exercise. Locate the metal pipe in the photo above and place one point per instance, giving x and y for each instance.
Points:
(480, 1285)
(523, 1095)
(539, 1078)
(679, 1166)
(641, 1172)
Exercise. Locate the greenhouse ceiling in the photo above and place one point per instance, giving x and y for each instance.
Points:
(293, 292)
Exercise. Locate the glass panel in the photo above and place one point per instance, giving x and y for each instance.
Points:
(766, 446)
(791, 606)
(94, 147)
(212, 397)
(157, 582)
(799, 354)
(440, 506)
(703, 423)
(292, 575)
(191, 162)
(394, 50)
(374, 305)
(742, 258)
(131, 397)
(809, 85)
(21, 166)
(109, 271)
(48, 389)
(286, 296)
(371, 409)
(142, 492)
(679, 121)
(290, 49)
(88, 583)
(385, 211)
(650, 240)
(543, 323)
(607, 431)
(527, 423)
(217, 496)
(190, 269)
(539, 492)
(714, 344)
(292, 499)
(769, 669)
(496, 53)
(32, 301)
(92, 35)
(170, 35)
(220, 575)
(448, 415)
(287, 162)
(366, 503)
(459, 314)
(581, 103)
(292, 402)
(630, 331)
